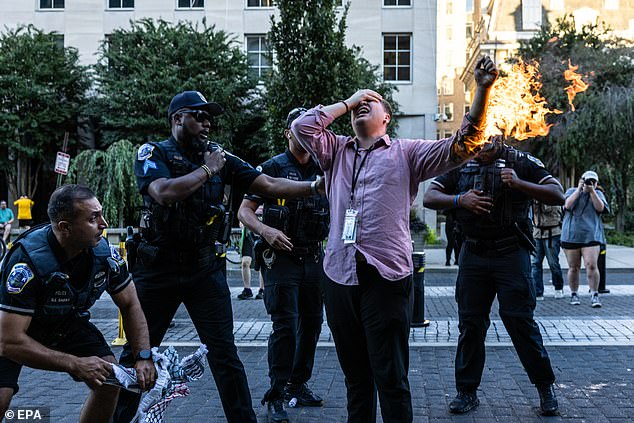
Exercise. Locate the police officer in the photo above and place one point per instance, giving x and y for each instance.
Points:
(51, 277)
(182, 181)
(491, 196)
(291, 259)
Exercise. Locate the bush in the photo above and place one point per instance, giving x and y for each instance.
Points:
(620, 238)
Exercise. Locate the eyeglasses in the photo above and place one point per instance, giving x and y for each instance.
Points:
(198, 115)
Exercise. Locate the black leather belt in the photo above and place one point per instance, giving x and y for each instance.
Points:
(497, 246)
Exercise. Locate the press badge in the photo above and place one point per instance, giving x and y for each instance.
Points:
(349, 234)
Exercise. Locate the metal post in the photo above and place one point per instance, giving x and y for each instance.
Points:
(601, 266)
(418, 315)
(121, 339)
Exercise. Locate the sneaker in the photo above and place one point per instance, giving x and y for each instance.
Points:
(245, 294)
(464, 401)
(276, 411)
(539, 298)
(303, 395)
(559, 293)
(594, 301)
(574, 299)
(547, 400)
(260, 294)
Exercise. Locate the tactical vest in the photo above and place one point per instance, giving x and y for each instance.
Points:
(192, 223)
(507, 210)
(61, 298)
(304, 220)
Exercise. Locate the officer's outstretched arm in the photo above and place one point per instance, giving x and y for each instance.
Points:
(136, 329)
(274, 237)
(16, 345)
(268, 186)
(436, 199)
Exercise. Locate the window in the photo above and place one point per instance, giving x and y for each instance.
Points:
(257, 48)
(259, 3)
(611, 4)
(449, 8)
(469, 6)
(466, 108)
(397, 2)
(556, 4)
(59, 40)
(51, 4)
(469, 30)
(397, 53)
(437, 134)
(449, 33)
(448, 111)
(121, 4)
(447, 86)
(531, 14)
(448, 133)
(191, 4)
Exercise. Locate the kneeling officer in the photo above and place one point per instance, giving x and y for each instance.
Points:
(290, 256)
(51, 277)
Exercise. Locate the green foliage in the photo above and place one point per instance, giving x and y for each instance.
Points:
(141, 68)
(313, 65)
(42, 90)
(110, 174)
(620, 238)
(431, 238)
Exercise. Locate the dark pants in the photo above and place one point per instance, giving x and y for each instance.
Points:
(454, 240)
(370, 324)
(292, 296)
(204, 291)
(481, 277)
(548, 248)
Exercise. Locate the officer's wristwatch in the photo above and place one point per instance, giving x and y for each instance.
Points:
(143, 355)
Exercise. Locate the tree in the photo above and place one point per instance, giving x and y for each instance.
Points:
(140, 69)
(110, 174)
(42, 90)
(596, 134)
(312, 65)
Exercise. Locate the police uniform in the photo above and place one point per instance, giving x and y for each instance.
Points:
(177, 263)
(292, 280)
(495, 260)
(38, 281)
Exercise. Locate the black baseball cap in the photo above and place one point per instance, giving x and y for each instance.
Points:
(193, 100)
(294, 114)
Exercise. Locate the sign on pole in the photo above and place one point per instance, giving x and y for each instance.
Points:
(61, 163)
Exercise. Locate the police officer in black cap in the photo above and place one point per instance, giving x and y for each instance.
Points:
(51, 277)
(491, 196)
(290, 256)
(182, 181)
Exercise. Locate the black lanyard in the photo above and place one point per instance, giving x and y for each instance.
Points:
(355, 173)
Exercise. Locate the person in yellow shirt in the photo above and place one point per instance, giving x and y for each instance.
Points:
(24, 203)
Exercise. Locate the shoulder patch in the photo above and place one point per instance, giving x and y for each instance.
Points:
(145, 152)
(114, 252)
(147, 165)
(535, 160)
(19, 276)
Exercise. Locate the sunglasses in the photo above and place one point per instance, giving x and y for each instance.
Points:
(198, 115)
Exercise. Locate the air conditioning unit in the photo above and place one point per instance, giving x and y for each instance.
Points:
(440, 116)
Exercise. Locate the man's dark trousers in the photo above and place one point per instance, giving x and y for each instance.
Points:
(204, 291)
(370, 324)
(292, 296)
(481, 276)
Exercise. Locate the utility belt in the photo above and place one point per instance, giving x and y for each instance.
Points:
(265, 255)
(492, 246)
(151, 255)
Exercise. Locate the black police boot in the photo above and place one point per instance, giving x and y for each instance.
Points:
(547, 400)
(464, 401)
(277, 414)
(245, 294)
(302, 394)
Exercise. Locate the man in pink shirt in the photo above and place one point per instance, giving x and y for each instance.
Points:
(371, 182)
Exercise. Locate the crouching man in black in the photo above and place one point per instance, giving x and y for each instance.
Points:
(492, 195)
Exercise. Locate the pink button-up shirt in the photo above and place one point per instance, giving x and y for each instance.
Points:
(384, 193)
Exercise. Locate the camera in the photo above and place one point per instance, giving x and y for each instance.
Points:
(589, 181)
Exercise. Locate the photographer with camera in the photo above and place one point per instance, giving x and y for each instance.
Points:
(582, 234)
(182, 181)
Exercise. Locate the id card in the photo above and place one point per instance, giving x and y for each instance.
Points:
(349, 234)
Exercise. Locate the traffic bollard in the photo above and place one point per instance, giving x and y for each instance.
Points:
(121, 338)
(601, 267)
(418, 315)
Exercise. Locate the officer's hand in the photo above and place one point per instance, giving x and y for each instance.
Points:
(92, 370)
(476, 202)
(145, 374)
(485, 72)
(510, 178)
(277, 239)
(321, 185)
(362, 95)
(215, 160)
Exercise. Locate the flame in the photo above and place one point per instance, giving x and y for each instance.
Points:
(578, 86)
(515, 107)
